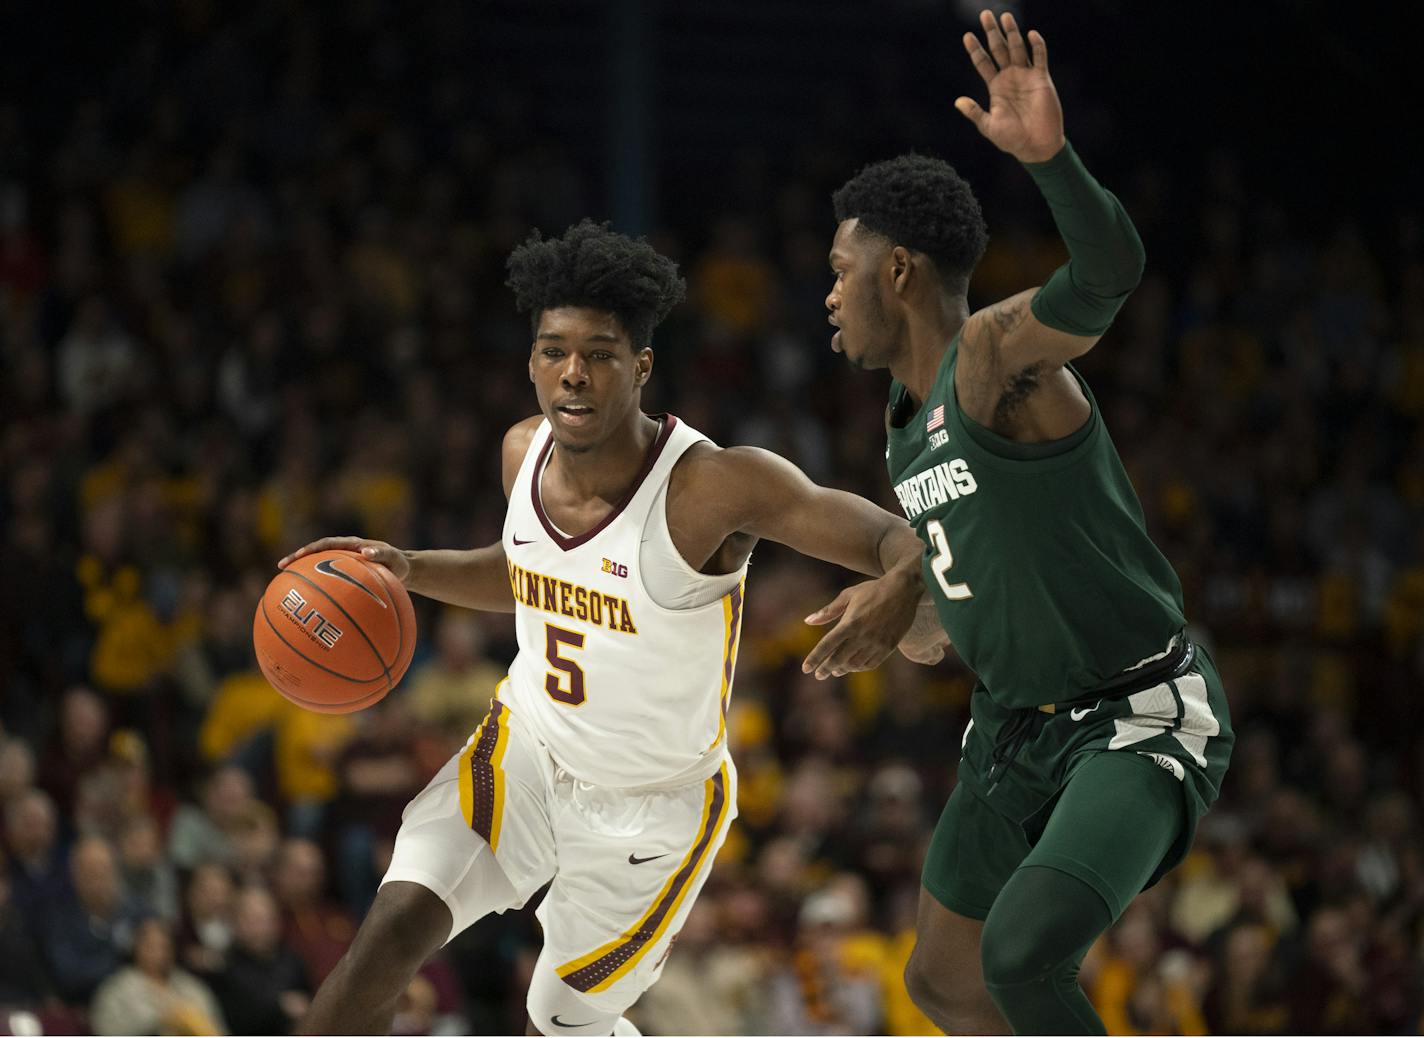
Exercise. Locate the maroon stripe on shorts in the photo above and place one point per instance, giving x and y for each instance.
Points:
(599, 969)
(482, 774)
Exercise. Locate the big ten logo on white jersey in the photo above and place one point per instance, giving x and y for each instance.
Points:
(947, 481)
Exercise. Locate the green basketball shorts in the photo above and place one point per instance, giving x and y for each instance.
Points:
(1003, 801)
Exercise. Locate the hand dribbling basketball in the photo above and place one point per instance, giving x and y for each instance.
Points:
(335, 629)
(375, 551)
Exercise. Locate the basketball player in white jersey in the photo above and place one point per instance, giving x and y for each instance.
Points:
(602, 767)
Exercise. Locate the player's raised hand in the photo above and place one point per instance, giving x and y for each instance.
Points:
(871, 619)
(1024, 116)
(377, 551)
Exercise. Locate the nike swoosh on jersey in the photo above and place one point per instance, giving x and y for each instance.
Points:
(328, 568)
(559, 1023)
(518, 541)
(638, 861)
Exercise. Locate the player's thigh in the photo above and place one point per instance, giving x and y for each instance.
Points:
(630, 870)
(972, 854)
(1116, 819)
(479, 835)
(945, 959)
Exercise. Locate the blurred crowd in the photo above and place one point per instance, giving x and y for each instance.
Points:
(250, 295)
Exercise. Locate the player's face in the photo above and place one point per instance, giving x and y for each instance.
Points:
(857, 309)
(587, 374)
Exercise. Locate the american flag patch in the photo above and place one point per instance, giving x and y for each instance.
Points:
(936, 419)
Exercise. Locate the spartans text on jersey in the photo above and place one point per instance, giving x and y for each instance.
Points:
(553, 595)
(947, 481)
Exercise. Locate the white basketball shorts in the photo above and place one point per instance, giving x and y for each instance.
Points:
(624, 865)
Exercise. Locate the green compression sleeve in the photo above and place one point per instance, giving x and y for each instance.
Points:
(1105, 255)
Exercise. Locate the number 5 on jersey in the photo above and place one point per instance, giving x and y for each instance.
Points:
(944, 559)
(554, 639)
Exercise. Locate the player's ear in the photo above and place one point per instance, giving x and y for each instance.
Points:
(900, 262)
(642, 366)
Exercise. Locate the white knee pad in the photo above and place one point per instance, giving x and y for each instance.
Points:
(555, 1008)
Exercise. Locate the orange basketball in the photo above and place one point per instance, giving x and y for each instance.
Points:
(334, 633)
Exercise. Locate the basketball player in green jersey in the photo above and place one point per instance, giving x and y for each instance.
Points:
(1099, 732)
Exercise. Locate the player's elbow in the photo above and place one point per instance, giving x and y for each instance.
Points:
(1115, 270)
(1132, 260)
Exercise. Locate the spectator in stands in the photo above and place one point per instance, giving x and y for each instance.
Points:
(23, 982)
(136, 792)
(17, 768)
(78, 746)
(832, 983)
(1330, 994)
(214, 345)
(379, 775)
(209, 908)
(38, 870)
(87, 931)
(263, 987)
(255, 839)
(318, 930)
(208, 833)
(149, 880)
(450, 692)
(152, 995)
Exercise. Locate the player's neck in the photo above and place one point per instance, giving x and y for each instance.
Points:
(605, 472)
(928, 331)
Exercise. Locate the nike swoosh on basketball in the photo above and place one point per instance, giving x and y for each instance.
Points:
(518, 541)
(560, 1023)
(328, 568)
(638, 861)
(1078, 713)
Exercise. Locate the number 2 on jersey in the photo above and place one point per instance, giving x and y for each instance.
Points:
(944, 559)
(554, 638)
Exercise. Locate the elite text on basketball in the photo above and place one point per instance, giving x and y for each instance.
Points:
(304, 614)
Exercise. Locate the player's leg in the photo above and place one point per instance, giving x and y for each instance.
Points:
(569, 1011)
(406, 925)
(635, 864)
(1116, 820)
(943, 975)
(476, 840)
(972, 855)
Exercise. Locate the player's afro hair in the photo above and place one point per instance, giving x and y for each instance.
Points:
(923, 204)
(596, 267)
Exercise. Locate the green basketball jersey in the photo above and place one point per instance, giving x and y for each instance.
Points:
(1037, 554)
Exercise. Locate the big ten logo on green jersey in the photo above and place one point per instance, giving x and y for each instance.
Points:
(947, 481)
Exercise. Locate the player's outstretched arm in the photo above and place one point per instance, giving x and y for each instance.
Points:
(1062, 319)
(776, 501)
(477, 578)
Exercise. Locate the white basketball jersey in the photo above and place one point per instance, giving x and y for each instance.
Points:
(623, 691)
